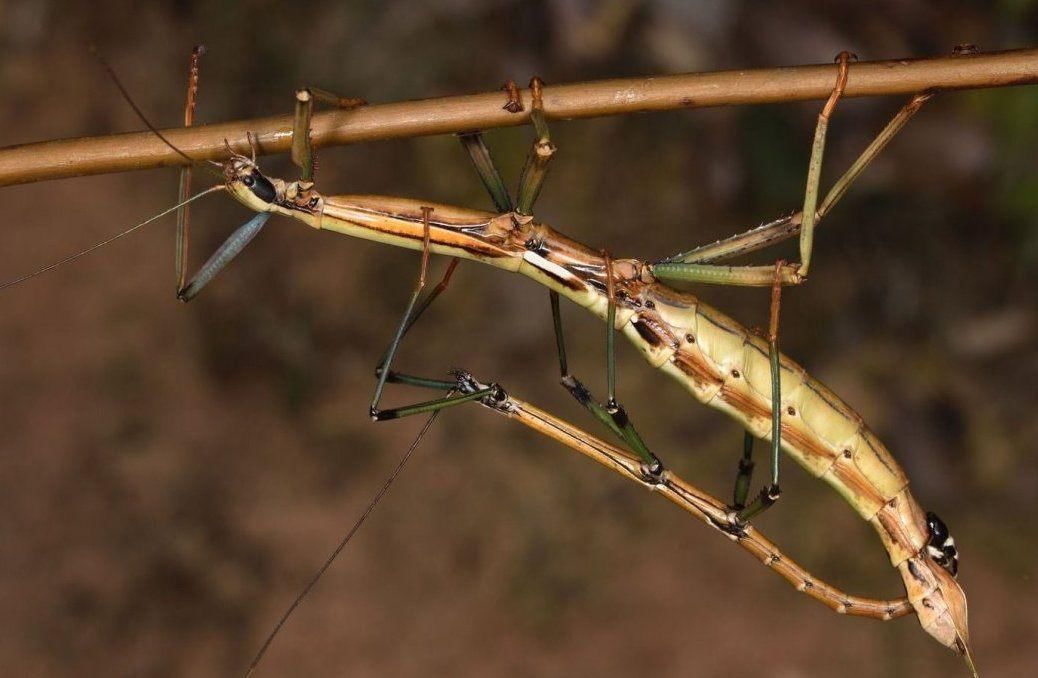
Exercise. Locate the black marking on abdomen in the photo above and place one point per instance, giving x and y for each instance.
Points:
(916, 574)
(645, 332)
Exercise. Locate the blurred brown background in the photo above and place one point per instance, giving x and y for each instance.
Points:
(171, 475)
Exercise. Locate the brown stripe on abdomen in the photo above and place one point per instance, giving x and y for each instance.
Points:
(750, 407)
(696, 368)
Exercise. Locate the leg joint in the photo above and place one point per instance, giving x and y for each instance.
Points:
(618, 413)
(653, 472)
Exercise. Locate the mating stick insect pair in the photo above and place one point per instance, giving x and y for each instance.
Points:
(721, 363)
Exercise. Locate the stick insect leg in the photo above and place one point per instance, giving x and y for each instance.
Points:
(744, 474)
(183, 214)
(405, 321)
(480, 155)
(303, 154)
(531, 180)
(487, 170)
(653, 467)
(680, 268)
(787, 227)
(770, 494)
(305, 158)
(781, 229)
(491, 178)
(468, 387)
(410, 320)
(537, 161)
(612, 413)
(814, 167)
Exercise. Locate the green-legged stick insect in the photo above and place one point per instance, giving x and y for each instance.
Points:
(718, 361)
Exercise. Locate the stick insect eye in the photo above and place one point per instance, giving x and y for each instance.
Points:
(260, 187)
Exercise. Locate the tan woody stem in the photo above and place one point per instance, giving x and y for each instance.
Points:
(142, 150)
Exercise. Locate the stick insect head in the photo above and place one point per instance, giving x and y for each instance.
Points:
(243, 180)
(250, 186)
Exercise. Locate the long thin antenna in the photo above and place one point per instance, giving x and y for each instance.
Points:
(342, 544)
(140, 114)
(77, 255)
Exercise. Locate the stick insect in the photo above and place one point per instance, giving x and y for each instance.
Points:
(718, 361)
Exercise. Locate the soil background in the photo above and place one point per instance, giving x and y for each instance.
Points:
(171, 475)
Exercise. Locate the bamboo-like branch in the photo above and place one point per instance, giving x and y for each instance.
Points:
(142, 150)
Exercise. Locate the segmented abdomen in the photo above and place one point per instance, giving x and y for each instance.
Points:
(727, 367)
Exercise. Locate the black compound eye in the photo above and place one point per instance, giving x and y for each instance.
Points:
(260, 187)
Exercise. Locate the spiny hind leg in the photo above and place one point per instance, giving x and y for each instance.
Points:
(683, 270)
(790, 226)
